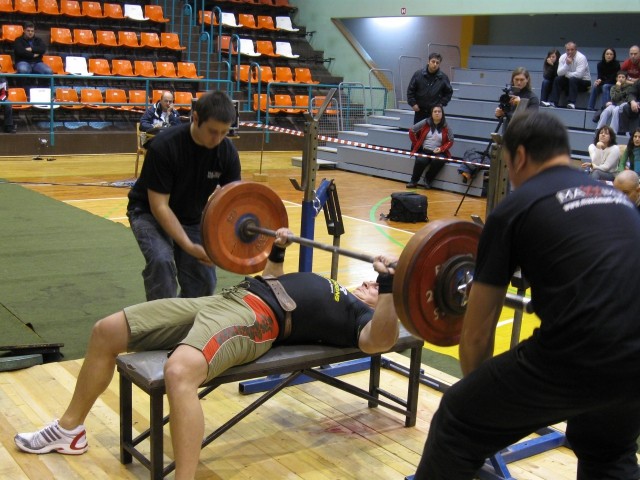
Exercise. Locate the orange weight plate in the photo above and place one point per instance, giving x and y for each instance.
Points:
(229, 209)
(417, 288)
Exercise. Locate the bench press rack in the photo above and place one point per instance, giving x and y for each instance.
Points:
(145, 370)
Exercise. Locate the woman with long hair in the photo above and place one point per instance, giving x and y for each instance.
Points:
(608, 68)
(631, 156)
(431, 136)
(549, 73)
(604, 154)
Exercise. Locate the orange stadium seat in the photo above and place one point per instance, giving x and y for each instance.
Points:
(317, 102)
(265, 22)
(302, 102)
(55, 63)
(242, 73)
(144, 68)
(128, 39)
(166, 69)
(150, 39)
(68, 95)
(99, 66)
(92, 9)
(11, 32)
(182, 100)
(25, 6)
(117, 98)
(113, 10)
(265, 47)
(284, 103)
(70, 8)
(266, 2)
(48, 7)
(6, 64)
(92, 98)
(106, 38)
(171, 40)
(303, 75)
(247, 20)
(205, 16)
(122, 68)
(283, 4)
(138, 96)
(18, 95)
(61, 36)
(265, 75)
(188, 70)
(6, 6)
(284, 74)
(155, 13)
(262, 104)
(83, 37)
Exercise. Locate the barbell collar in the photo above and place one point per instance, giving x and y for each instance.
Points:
(518, 302)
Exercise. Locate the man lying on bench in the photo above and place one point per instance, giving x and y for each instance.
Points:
(211, 334)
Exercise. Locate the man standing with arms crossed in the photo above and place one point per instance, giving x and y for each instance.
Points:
(428, 87)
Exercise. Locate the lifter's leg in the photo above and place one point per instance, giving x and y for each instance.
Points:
(185, 370)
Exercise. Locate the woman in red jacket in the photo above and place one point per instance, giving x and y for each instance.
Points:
(431, 137)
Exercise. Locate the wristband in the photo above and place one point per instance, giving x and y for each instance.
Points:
(277, 254)
(385, 283)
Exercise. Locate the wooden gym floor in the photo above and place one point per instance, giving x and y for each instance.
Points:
(309, 431)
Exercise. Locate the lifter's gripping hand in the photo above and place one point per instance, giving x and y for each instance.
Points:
(275, 261)
(282, 237)
(381, 264)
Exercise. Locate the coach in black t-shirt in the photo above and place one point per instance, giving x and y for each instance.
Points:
(576, 241)
(182, 167)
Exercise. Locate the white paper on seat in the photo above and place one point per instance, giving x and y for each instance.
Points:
(134, 12)
(228, 19)
(76, 66)
(284, 49)
(246, 48)
(41, 95)
(284, 23)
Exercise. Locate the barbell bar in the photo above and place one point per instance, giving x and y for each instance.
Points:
(433, 275)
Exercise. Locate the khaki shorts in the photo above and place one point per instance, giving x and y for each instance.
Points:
(231, 328)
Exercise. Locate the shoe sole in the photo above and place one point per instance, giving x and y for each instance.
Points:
(52, 448)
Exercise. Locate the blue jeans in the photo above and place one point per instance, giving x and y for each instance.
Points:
(571, 85)
(39, 67)
(545, 89)
(167, 265)
(603, 88)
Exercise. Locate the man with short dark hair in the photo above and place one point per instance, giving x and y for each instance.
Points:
(573, 77)
(28, 50)
(428, 87)
(182, 167)
(575, 240)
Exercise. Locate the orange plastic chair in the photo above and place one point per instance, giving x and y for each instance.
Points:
(247, 20)
(92, 98)
(171, 40)
(144, 68)
(265, 75)
(128, 39)
(70, 8)
(182, 100)
(155, 13)
(283, 4)
(11, 32)
(6, 64)
(150, 39)
(61, 36)
(188, 70)
(265, 47)
(25, 6)
(266, 23)
(138, 96)
(266, 2)
(206, 17)
(117, 98)
(6, 6)
(224, 43)
(284, 103)
(92, 9)
(302, 103)
(303, 75)
(68, 95)
(18, 95)
(316, 103)
(100, 66)
(106, 38)
(166, 69)
(262, 104)
(243, 74)
(56, 64)
(284, 74)
(156, 95)
(122, 68)
(83, 37)
(48, 7)
(113, 10)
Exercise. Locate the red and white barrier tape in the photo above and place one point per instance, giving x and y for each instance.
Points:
(351, 143)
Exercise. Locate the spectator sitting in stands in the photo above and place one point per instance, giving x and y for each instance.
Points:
(607, 71)
(620, 95)
(605, 155)
(631, 156)
(573, 77)
(630, 111)
(9, 127)
(629, 184)
(431, 136)
(549, 73)
(28, 50)
(160, 115)
(632, 65)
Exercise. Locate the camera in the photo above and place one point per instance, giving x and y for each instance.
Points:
(505, 99)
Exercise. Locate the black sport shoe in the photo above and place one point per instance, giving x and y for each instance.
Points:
(10, 129)
(411, 185)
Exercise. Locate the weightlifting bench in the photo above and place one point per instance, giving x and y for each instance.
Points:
(145, 369)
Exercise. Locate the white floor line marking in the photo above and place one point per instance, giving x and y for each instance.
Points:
(94, 199)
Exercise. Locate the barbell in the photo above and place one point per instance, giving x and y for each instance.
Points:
(433, 275)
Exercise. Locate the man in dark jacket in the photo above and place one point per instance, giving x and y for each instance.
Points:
(428, 87)
(161, 114)
(28, 50)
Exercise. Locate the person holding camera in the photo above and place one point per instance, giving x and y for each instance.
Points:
(520, 88)
(160, 115)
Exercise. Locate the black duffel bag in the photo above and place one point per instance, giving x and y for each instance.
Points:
(407, 207)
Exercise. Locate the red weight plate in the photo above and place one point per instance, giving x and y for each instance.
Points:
(225, 213)
(417, 273)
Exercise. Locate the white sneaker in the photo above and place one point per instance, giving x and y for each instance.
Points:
(546, 104)
(54, 438)
(571, 106)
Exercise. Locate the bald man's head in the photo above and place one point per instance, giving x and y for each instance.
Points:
(628, 183)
